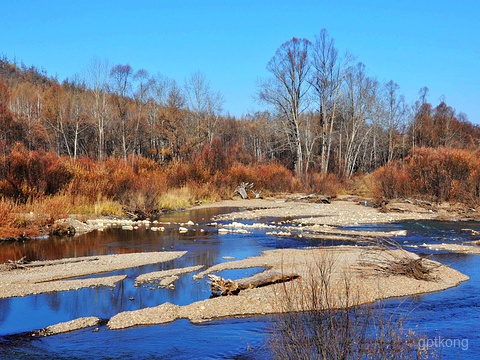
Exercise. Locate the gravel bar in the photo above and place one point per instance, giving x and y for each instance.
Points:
(345, 261)
(47, 276)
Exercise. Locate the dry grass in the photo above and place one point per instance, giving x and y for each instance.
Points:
(50, 208)
(13, 224)
(176, 199)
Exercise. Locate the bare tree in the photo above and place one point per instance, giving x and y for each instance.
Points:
(287, 91)
(143, 83)
(79, 121)
(121, 85)
(395, 114)
(174, 121)
(97, 80)
(55, 115)
(328, 73)
(27, 103)
(358, 108)
(205, 105)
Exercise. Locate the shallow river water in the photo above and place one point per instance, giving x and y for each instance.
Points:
(450, 319)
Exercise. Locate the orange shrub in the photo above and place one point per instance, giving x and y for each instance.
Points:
(272, 177)
(330, 185)
(90, 180)
(181, 173)
(442, 174)
(391, 182)
(25, 174)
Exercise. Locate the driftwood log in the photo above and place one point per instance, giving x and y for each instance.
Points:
(17, 264)
(324, 199)
(222, 286)
(22, 263)
(242, 189)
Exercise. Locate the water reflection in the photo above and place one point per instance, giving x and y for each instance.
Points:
(110, 241)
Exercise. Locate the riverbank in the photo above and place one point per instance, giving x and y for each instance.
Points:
(310, 219)
(344, 210)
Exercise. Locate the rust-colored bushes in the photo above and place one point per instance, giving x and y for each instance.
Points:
(443, 174)
(214, 156)
(91, 180)
(25, 174)
(330, 185)
(272, 177)
(181, 173)
(391, 182)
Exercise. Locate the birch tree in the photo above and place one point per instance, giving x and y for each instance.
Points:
(97, 80)
(361, 94)
(205, 106)
(328, 74)
(287, 91)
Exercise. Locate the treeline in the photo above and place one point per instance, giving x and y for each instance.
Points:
(326, 120)
(118, 112)
(334, 117)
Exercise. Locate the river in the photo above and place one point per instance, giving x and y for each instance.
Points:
(449, 318)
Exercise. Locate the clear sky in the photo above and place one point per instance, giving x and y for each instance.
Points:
(416, 43)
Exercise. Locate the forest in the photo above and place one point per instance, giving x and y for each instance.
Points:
(117, 140)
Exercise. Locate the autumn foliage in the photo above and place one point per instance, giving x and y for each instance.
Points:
(442, 174)
(136, 184)
(124, 141)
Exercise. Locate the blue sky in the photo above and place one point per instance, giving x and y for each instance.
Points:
(415, 43)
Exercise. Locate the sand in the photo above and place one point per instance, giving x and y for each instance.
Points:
(458, 248)
(165, 274)
(50, 276)
(342, 212)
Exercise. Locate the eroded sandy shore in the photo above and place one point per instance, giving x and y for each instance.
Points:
(51, 276)
(459, 248)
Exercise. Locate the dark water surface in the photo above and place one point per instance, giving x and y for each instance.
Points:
(450, 319)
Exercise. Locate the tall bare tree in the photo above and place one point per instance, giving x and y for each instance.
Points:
(358, 108)
(328, 74)
(141, 94)
(205, 105)
(121, 77)
(395, 114)
(287, 91)
(97, 75)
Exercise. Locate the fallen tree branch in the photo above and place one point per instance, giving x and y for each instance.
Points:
(223, 286)
(17, 264)
(392, 259)
(242, 189)
(22, 263)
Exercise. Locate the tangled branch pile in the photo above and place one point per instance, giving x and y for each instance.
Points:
(393, 260)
